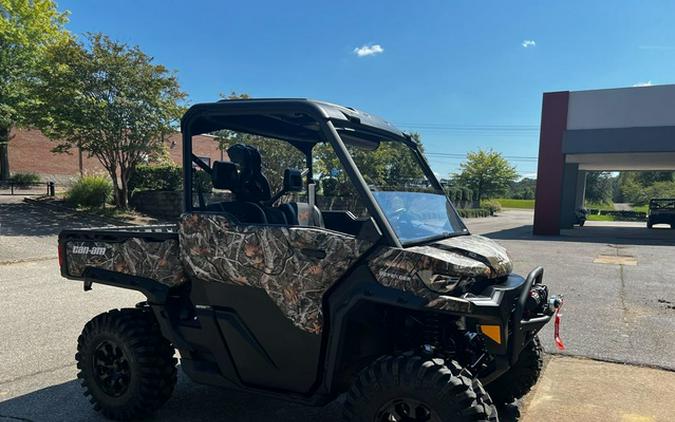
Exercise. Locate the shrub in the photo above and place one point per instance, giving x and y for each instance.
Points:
(166, 177)
(25, 179)
(90, 192)
(454, 194)
(491, 205)
(473, 212)
(201, 182)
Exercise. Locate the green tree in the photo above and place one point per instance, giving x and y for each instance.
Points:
(277, 155)
(487, 173)
(110, 100)
(639, 187)
(522, 189)
(390, 165)
(599, 187)
(28, 29)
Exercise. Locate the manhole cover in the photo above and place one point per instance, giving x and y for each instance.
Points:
(616, 259)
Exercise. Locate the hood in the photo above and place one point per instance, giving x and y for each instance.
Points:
(479, 248)
(442, 266)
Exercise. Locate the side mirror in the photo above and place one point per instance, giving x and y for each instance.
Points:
(292, 180)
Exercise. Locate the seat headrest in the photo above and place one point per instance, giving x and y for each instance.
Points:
(248, 158)
(225, 175)
(253, 185)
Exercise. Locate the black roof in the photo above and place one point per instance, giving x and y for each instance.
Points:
(292, 119)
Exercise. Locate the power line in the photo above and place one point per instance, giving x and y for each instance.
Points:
(483, 129)
(450, 155)
(460, 126)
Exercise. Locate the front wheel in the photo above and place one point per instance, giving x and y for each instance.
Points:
(410, 388)
(126, 367)
(521, 377)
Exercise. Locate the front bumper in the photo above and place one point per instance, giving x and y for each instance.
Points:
(504, 306)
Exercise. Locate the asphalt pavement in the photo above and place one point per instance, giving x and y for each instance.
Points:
(612, 312)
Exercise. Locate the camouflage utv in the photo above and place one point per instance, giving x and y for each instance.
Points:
(332, 276)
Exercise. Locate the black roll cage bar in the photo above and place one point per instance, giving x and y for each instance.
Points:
(325, 115)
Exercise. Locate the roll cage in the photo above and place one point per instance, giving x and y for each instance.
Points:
(302, 123)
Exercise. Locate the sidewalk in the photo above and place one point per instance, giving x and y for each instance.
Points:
(572, 389)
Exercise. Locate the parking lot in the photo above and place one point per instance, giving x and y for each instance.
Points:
(613, 312)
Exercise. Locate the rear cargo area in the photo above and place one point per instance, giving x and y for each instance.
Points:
(144, 251)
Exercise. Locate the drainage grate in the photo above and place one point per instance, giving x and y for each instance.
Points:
(616, 260)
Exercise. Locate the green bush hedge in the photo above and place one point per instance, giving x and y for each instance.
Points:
(24, 179)
(617, 215)
(473, 212)
(457, 194)
(90, 192)
(201, 182)
(491, 205)
(167, 177)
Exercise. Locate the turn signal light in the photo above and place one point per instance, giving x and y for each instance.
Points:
(493, 332)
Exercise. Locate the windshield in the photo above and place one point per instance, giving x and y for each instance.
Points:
(414, 208)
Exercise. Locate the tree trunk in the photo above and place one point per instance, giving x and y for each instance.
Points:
(120, 200)
(124, 194)
(4, 152)
(124, 188)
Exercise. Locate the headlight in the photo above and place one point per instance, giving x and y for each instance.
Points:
(441, 283)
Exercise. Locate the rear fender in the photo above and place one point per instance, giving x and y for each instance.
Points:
(156, 292)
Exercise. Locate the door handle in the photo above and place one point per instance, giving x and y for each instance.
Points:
(313, 253)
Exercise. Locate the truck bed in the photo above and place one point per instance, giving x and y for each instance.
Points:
(150, 252)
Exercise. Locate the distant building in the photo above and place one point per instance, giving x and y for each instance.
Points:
(624, 129)
(30, 151)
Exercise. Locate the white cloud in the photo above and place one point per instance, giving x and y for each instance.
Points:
(368, 50)
(648, 83)
(528, 43)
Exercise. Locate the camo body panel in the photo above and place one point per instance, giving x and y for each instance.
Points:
(442, 271)
(279, 259)
(490, 252)
(158, 261)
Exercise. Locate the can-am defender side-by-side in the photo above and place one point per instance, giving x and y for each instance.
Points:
(291, 293)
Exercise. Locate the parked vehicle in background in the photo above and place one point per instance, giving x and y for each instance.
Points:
(661, 211)
(581, 214)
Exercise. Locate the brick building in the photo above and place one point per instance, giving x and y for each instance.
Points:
(30, 151)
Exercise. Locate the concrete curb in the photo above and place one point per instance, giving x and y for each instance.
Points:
(609, 360)
(105, 220)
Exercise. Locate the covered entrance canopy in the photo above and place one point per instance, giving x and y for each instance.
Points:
(600, 130)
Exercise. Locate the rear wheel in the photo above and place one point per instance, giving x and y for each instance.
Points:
(410, 388)
(521, 377)
(126, 367)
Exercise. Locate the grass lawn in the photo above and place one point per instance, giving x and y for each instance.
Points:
(599, 206)
(642, 208)
(516, 203)
(595, 217)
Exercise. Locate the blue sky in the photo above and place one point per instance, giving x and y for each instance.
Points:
(465, 74)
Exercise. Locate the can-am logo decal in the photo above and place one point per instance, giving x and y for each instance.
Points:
(89, 250)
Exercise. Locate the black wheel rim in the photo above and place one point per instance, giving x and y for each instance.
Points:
(111, 368)
(406, 410)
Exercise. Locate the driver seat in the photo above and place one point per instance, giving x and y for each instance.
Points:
(255, 188)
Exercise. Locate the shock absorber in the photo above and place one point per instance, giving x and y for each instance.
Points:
(432, 331)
